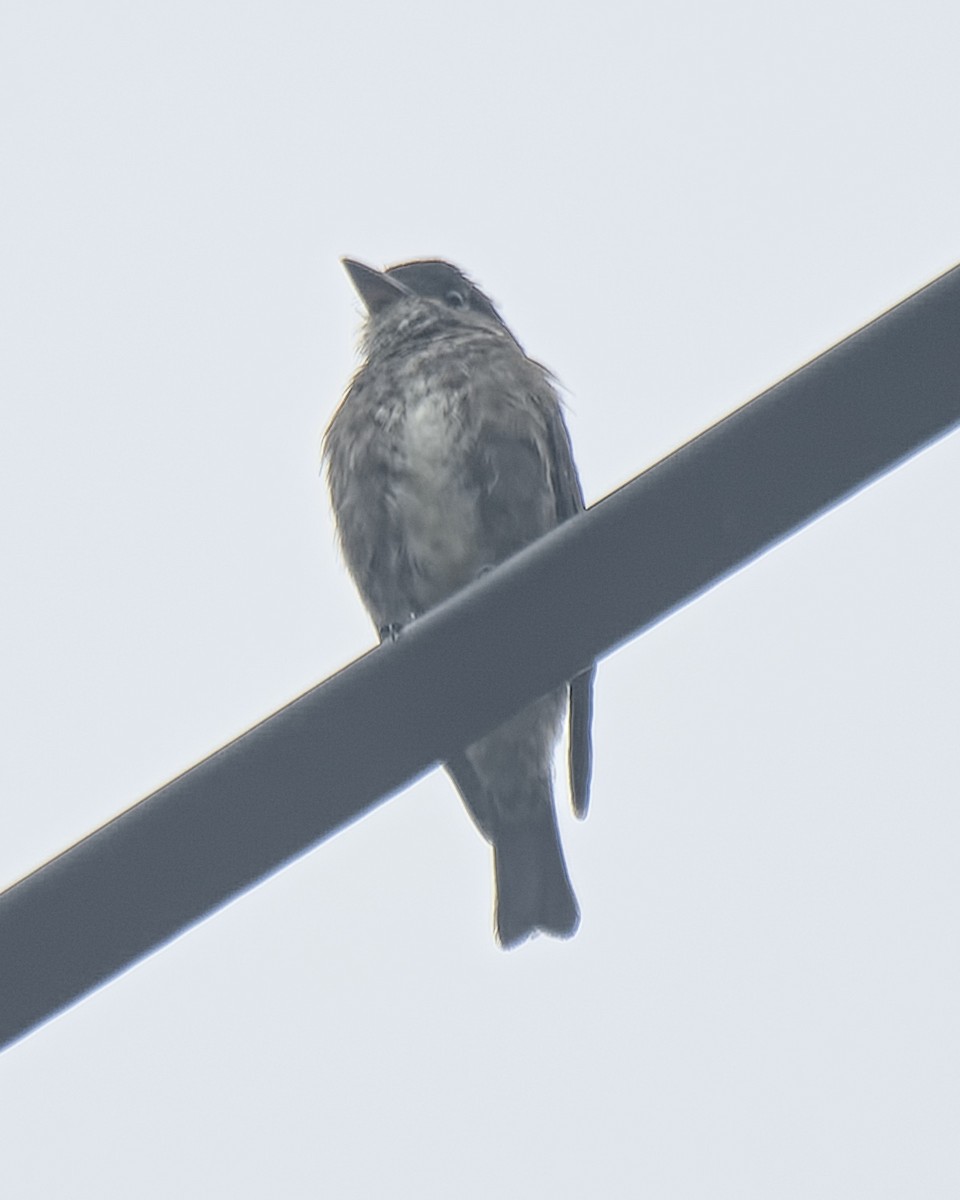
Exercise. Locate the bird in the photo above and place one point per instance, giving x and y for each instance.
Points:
(449, 452)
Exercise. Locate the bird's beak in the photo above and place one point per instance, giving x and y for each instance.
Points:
(376, 289)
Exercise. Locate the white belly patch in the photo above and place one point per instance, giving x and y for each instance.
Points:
(436, 502)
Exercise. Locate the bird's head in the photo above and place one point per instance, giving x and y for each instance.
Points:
(425, 296)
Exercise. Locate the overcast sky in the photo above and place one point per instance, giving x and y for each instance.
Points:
(674, 206)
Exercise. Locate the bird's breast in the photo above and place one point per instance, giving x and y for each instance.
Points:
(432, 495)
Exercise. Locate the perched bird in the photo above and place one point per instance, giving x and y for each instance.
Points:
(447, 454)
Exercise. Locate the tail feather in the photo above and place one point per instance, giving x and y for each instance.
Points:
(533, 887)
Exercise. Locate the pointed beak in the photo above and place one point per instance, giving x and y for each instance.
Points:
(376, 289)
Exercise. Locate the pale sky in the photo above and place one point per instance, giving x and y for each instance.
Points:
(673, 206)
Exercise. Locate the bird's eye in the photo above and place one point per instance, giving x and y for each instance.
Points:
(455, 299)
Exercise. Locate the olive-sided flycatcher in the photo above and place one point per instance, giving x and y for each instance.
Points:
(448, 453)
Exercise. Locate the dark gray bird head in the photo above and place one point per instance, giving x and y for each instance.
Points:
(425, 296)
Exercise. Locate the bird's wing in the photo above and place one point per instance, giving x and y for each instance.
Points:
(569, 497)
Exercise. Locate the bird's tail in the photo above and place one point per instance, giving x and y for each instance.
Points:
(533, 887)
